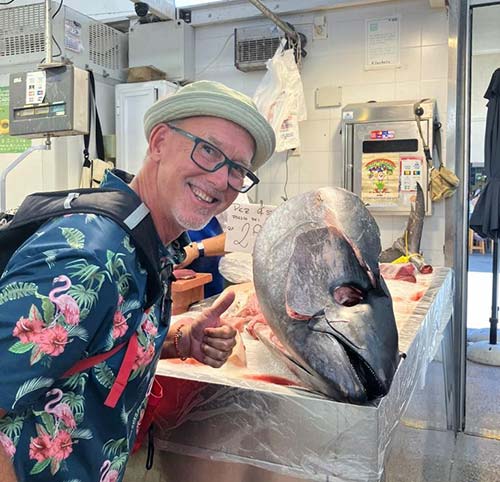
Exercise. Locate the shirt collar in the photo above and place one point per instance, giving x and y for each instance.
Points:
(116, 179)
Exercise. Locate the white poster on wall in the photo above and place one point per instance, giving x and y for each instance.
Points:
(382, 43)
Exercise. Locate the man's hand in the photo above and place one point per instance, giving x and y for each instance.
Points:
(211, 342)
(204, 338)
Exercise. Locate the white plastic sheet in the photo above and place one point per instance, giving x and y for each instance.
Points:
(297, 433)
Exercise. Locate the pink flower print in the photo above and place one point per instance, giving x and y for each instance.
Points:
(62, 445)
(65, 304)
(40, 448)
(60, 410)
(27, 330)
(144, 356)
(7, 445)
(120, 326)
(149, 328)
(52, 341)
(108, 475)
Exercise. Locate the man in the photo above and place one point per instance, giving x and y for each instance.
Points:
(76, 289)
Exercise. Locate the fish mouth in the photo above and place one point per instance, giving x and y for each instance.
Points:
(371, 385)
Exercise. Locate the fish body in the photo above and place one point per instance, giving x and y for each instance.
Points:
(318, 284)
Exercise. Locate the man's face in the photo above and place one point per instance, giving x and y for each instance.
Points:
(189, 197)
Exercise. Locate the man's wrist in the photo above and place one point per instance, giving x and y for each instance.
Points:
(201, 249)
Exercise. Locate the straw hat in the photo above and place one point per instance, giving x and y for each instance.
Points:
(209, 98)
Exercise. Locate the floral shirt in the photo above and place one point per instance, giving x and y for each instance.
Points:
(74, 289)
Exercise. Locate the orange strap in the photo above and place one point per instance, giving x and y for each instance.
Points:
(124, 373)
(82, 365)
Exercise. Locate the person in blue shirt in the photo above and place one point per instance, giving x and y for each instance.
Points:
(76, 289)
(204, 260)
(207, 247)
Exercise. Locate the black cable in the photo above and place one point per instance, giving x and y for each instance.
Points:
(54, 56)
(58, 47)
(58, 8)
(6, 3)
(285, 197)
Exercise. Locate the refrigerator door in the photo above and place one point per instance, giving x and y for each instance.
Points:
(132, 101)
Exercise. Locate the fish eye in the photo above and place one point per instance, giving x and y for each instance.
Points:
(348, 295)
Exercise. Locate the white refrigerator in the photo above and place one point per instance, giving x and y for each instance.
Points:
(131, 102)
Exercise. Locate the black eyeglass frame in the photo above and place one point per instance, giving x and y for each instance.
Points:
(231, 164)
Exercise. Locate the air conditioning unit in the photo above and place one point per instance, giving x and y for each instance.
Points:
(87, 43)
(254, 46)
(168, 46)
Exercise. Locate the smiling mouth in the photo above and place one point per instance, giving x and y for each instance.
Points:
(202, 195)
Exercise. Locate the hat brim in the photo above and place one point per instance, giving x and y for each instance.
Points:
(194, 104)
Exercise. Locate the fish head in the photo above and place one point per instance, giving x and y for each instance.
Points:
(325, 298)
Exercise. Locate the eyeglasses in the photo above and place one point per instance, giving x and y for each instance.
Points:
(209, 158)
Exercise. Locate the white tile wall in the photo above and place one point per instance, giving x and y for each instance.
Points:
(434, 64)
(315, 135)
(411, 65)
(339, 60)
(411, 30)
(315, 168)
(433, 32)
(336, 171)
(407, 90)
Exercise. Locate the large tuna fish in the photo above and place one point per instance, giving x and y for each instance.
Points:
(318, 284)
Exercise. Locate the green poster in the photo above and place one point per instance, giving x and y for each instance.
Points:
(9, 144)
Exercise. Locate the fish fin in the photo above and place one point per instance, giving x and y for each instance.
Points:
(409, 242)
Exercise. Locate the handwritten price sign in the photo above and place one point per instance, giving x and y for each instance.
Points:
(244, 223)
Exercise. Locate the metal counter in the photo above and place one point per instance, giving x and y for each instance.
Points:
(298, 434)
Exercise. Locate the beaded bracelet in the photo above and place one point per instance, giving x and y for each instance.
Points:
(177, 339)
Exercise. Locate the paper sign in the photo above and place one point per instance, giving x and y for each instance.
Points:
(411, 173)
(382, 43)
(9, 144)
(244, 222)
(73, 36)
(380, 178)
(35, 87)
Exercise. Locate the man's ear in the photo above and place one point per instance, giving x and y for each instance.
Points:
(157, 140)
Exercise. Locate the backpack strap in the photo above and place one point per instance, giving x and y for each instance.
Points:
(124, 208)
(91, 361)
(123, 373)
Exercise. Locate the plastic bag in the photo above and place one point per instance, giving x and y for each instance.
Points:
(236, 267)
(280, 98)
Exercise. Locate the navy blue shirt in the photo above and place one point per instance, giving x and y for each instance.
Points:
(74, 289)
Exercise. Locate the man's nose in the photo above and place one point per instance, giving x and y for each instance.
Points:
(220, 178)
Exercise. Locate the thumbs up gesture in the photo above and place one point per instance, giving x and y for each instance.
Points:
(206, 338)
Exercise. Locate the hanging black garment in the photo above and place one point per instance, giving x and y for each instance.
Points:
(485, 219)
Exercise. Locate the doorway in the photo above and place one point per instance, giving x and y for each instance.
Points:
(482, 416)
